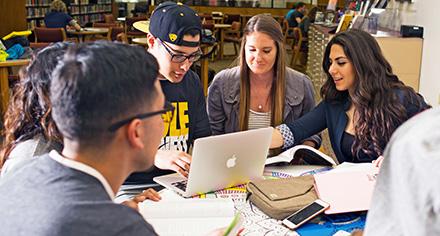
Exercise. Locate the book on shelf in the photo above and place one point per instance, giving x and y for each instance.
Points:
(188, 216)
(309, 155)
(344, 23)
(357, 22)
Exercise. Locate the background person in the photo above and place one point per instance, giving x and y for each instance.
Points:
(29, 128)
(57, 17)
(406, 195)
(297, 15)
(307, 20)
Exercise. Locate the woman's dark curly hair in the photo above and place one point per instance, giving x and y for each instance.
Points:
(29, 111)
(378, 109)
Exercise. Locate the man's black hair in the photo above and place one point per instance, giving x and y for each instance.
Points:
(97, 84)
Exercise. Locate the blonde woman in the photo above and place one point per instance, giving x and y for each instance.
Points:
(261, 91)
(57, 17)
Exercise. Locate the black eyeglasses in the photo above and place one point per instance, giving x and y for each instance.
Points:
(166, 113)
(179, 58)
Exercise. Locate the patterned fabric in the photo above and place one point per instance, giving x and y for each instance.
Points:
(287, 134)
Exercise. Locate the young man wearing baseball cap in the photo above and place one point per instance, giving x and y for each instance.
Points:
(173, 37)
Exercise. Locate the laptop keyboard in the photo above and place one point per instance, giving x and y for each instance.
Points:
(180, 185)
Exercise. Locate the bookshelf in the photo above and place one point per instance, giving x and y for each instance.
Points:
(83, 11)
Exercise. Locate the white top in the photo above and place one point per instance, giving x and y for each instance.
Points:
(83, 168)
(258, 119)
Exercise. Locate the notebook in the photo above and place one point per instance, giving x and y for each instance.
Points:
(346, 190)
(222, 161)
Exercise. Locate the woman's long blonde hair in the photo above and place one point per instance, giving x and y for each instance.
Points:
(268, 25)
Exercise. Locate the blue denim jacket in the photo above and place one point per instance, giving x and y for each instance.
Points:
(224, 100)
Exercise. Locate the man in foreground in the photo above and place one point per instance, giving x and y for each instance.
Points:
(107, 104)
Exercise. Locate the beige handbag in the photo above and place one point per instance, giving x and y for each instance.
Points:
(279, 198)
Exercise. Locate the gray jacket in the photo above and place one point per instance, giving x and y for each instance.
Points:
(25, 151)
(224, 98)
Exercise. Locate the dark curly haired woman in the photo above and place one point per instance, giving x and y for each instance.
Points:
(28, 128)
(363, 101)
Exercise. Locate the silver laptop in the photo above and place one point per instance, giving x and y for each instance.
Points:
(222, 161)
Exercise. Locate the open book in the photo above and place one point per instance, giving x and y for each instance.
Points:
(188, 216)
(309, 155)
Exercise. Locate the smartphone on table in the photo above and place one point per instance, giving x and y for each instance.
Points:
(305, 214)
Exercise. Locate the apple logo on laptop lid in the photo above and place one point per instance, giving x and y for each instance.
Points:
(231, 162)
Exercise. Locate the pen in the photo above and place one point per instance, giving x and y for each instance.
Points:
(233, 227)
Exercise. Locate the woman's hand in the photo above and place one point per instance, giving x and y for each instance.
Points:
(378, 162)
(177, 161)
(277, 139)
(309, 143)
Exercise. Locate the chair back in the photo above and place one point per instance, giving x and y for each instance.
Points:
(287, 30)
(206, 19)
(113, 33)
(208, 25)
(280, 20)
(231, 18)
(109, 18)
(235, 25)
(234, 34)
(49, 35)
(122, 37)
(104, 25)
(296, 46)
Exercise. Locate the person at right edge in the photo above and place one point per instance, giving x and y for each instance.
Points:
(173, 38)
(406, 198)
(363, 101)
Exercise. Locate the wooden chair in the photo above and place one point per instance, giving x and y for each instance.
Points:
(217, 17)
(280, 20)
(234, 36)
(104, 25)
(49, 35)
(229, 18)
(288, 33)
(206, 19)
(35, 45)
(113, 33)
(121, 37)
(109, 18)
(297, 46)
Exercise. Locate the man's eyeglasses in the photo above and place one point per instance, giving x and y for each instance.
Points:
(179, 58)
(166, 113)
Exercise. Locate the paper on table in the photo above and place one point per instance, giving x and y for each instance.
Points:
(188, 216)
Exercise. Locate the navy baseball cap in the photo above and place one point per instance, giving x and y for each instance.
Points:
(170, 21)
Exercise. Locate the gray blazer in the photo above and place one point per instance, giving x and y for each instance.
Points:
(224, 98)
